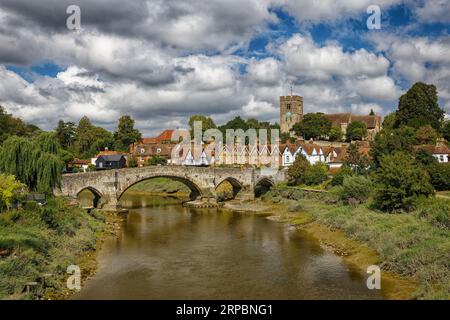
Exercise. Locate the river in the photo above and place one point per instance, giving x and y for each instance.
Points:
(172, 252)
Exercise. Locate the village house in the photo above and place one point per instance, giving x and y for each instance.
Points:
(160, 146)
(440, 151)
(110, 162)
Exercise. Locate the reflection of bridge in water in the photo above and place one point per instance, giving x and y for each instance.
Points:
(108, 186)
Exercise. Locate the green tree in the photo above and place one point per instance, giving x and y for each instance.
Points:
(356, 131)
(65, 131)
(126, 134)
(301, 172)
(132, 162)
(388, 142)
(313, 125)
(354, 189)
(207, 123)
(426, 135)
(419, 107)
(440, 175)
(336, 134)
(84, 136)
(297, 171)
(10, 188)
(389, 121)
(400, 181)
(156, 160)
(284, 137)
(36, 162)
(315, 174)
(355, 160)
(446, 130)
(11, 126)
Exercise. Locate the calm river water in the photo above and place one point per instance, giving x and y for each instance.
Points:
(172, 252)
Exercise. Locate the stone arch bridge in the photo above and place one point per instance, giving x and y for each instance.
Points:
(109, 185)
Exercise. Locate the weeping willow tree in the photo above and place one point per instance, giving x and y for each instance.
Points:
(35, 162)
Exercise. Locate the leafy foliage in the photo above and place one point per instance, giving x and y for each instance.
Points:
(9, 190)
(400, 182)
(426, 135)
(156, 160)
(355, 160)
(126, 134)
(419, 107)
(335, 134)
(354, 189)
(301, 172)
(356, 131)
(37, 163)
(313, 125)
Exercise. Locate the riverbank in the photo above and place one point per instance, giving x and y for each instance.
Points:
(39, 243)
(412, 251)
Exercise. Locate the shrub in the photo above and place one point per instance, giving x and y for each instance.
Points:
(400, 181)
(315, 174)
(440, 175)
(301, 172)
(338, 178)
(354, 189)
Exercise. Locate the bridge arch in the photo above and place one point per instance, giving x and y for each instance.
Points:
(263, 186)
(196, 191)
(235, 184)
(97, 195)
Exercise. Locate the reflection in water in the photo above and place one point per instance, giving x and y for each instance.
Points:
(171, 252)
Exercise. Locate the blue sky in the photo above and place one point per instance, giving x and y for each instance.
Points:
(161, 61)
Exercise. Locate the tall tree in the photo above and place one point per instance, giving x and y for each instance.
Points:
(446, 130)
(35, 162)
(313, 125)
(207, 123)
(419, 107)
(84, 136)
(356, 131)
(65, 131)
(126, 134)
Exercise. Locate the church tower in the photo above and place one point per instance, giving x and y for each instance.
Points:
(291, 112)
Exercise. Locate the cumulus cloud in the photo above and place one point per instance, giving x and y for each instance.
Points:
(164, 60)
(420, 59)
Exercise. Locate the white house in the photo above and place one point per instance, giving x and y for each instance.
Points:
(314, 153)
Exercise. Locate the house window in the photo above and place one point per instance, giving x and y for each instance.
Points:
(142, 150)
(288, 106)
(288, 159)
(441, 158)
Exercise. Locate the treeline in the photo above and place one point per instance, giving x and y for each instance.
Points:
(11, 126)
(36, 159)
(85, 140)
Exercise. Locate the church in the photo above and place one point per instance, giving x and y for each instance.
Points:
(291, 112)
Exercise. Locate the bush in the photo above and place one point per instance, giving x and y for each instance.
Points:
(400, 181)
(315, 174)
(301, 172)
(440, 175)
(354, 189)
(338, 178)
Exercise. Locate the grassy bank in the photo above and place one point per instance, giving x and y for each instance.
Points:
(415, 245)
(37, 244)
(161, 186)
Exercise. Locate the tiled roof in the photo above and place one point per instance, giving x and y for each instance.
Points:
(108, 153)
(339, 118)
(112, 158)
(440, 149)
